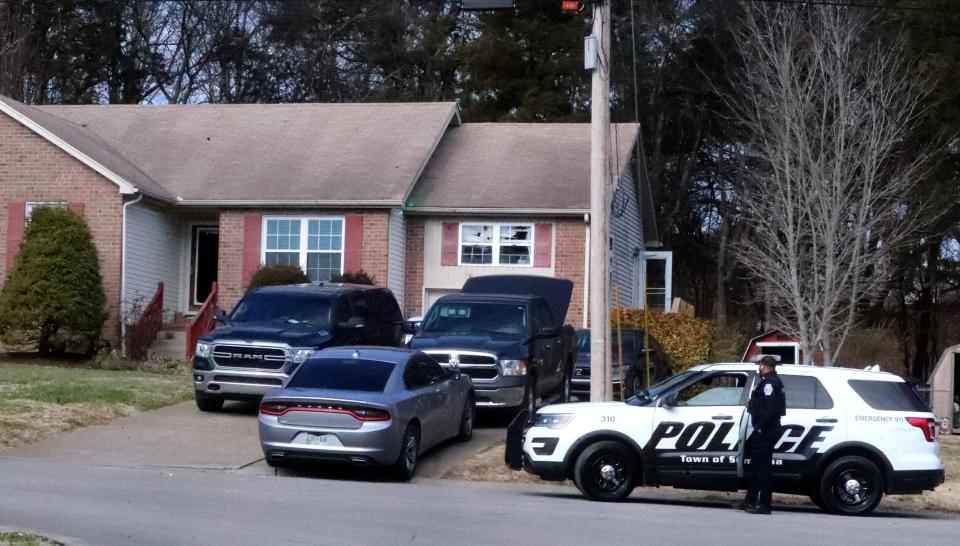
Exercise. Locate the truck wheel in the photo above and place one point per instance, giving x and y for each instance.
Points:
(851, 486)
(467, 419)
(605, 471)
(566, 386)
(406, 465)
(530, 397)
(205, 402)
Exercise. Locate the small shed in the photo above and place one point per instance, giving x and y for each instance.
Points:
(944, 386)
(775, 342)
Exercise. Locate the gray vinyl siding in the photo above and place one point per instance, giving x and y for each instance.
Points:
(396, 253)
(152, 255)
(626, 230)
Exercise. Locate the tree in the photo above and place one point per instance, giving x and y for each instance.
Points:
(53, 295)
(279, 274)
(828, 111)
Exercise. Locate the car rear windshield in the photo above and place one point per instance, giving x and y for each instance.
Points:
(888, 395)
(343, 374)
(312, 309)
(470, 317)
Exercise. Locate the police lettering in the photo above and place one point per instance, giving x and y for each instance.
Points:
(706, 435)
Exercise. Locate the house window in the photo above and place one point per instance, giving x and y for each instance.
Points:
(496, 244)
(34, 205)
(313, 244)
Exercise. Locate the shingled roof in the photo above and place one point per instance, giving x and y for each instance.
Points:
(515, 166)
(284, 154)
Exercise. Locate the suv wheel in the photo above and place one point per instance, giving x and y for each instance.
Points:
(205, 402)
(851, 486)
(605, 471)
(466, 420)
(406, 465)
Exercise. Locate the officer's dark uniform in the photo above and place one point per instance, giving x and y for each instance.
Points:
(767, 404)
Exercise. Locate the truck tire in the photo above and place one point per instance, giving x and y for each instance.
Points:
(205, 402)
(530, 396)
(406, 465)
(566, 386)
(851, 486)
(605, 471)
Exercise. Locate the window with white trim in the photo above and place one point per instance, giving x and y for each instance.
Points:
(34, 205)
(313, 244)
(496, 244)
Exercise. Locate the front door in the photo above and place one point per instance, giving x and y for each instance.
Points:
(206, 253)
(698, 431)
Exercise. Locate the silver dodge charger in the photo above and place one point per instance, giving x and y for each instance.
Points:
(366, 406)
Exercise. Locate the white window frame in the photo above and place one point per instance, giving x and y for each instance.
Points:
(304, 233)
(31, 206)
(496, 243)
(667, 256)
(794, 344)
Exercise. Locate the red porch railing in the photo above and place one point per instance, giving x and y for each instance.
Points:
(203, 322)
(141, 334)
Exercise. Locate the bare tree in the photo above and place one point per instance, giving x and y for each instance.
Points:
(827, 110)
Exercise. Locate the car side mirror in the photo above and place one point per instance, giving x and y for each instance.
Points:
(410, 327)
(669, 400)
(220, 315)
(354, 323)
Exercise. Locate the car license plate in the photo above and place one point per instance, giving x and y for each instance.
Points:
(315, 439)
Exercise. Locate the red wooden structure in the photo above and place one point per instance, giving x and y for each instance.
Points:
(203, 322)
(775, 342)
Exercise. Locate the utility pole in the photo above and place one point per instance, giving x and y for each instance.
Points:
(600, 332)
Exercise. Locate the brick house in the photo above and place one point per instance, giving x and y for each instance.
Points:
(191, 195)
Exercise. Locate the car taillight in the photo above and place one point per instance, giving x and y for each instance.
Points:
(369, 414)
(927, 425)
(273, 408)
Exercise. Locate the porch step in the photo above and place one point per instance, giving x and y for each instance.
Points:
(169, 345)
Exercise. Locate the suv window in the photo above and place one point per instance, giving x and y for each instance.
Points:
(719, 389)
(888, 395)
(805, 392)
(361, 307)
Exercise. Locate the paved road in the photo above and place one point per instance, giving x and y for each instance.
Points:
(85, 504)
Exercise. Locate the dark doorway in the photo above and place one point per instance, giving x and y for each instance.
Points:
(206, 246)
(785, 352)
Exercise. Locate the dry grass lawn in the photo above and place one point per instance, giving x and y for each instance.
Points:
(23, 539)
(40, 401)
(487, 465)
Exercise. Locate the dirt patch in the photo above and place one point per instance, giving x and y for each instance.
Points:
(487, 465)
(26, 421)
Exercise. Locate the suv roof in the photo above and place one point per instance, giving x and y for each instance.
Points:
(811, 370)
(319, 288)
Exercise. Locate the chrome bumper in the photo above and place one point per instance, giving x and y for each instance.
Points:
(224, 382)
(507, 397)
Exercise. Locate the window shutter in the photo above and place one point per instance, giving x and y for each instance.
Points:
(353, 243)
(450, 245)
(76, 207)
(252, 224)
(16, 218)
(543, 245)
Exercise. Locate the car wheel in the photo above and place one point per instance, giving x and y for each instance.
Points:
(205, 402)
(466, 420)
(818, 500)
(851, 486)
(567, 385)
(605, 471)
(406, 465)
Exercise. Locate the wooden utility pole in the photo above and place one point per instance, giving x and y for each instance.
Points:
(600, 332)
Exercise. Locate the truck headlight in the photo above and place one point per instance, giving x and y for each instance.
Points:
(299, 356)
(513, 367)
(553, 420)
(203, 349)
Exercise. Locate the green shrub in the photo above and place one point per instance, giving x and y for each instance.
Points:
(685, 340)
(273, 275)
(354, 277)
(54, 294)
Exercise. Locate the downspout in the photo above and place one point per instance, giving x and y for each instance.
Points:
(586, 271)
(123, 274)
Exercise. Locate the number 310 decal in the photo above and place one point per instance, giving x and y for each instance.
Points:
(607, 418)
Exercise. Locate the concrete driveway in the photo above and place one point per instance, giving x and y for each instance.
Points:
(181, 436)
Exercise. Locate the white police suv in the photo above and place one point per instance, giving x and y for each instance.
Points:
(849, 437)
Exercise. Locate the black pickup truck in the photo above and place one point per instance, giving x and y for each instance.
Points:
(507, 333)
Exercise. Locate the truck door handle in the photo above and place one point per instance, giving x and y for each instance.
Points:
(722, 417)
(826, 420)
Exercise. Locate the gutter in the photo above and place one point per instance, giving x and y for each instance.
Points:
(440, 211)
(287, 204)
(123, 273)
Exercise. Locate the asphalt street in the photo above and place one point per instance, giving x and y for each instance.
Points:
(91, 504)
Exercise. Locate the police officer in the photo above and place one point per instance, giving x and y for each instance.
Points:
(767, 405)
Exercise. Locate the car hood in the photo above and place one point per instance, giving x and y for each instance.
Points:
(502, 345)
(591, 408)
(295, 335)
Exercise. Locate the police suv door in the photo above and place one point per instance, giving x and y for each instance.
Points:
(696, 433)
(813, 424)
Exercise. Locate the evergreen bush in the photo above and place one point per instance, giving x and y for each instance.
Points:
(354, 277)
(273, 275)
(53, 295)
